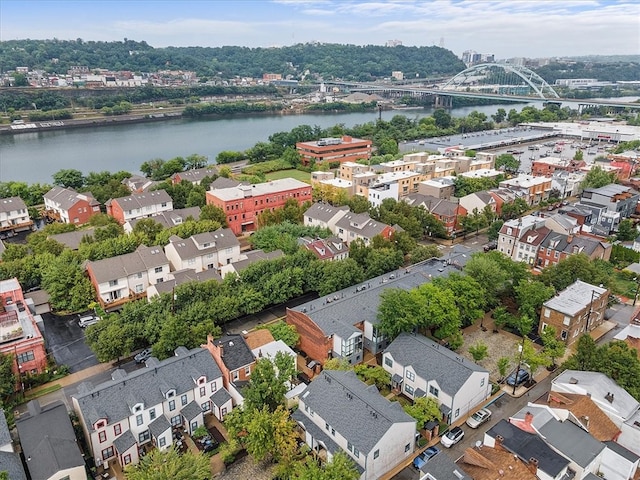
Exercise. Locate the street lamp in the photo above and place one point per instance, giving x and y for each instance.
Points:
(521, 350)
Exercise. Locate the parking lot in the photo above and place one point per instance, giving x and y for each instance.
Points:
(65, 341)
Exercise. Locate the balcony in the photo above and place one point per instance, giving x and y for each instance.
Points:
(118, 302)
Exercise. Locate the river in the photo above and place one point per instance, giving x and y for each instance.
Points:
(35, 157)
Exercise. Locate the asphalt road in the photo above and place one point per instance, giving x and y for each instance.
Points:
(66, 342)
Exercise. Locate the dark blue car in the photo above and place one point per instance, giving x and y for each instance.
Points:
(424, 457)
(519, 379)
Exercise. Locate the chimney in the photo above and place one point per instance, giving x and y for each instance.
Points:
(260, 353)
(34, 408)
(609, 397)
(585, 421)
(532, 465)
(528, 419)
(499, 440)
(221, 348)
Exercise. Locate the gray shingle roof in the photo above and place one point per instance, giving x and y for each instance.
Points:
(66, 198)
(220, 397)
(442, 467)
(159, 426)
(191, 411)
(353, 408)
(12, 204)
(49, 439)
(620, 450)
(236, 352)
(432, 361)
(114, 399)
(323, 212)
(10, 463)
(143, 259)
(256, 256)
(529, 445)
(124, 442)
(5, 435)
(572, 441)
(362, 224)
(141, 200)
(72, 239)
(197, 174)
(339, 312)
(180, 277)
(172, 218)
(194, 246)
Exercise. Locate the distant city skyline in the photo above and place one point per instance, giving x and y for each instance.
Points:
(519, 28)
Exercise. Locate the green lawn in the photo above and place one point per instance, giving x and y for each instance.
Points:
(293, 173)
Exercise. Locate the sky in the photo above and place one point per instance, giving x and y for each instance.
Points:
(505, 28)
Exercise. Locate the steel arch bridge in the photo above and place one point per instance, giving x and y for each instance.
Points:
(531, 78)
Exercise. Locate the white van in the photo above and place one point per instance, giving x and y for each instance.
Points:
(88, 320)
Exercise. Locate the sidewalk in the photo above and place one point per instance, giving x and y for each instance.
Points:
(73, 377)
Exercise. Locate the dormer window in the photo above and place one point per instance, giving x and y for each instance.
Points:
(138, 407)
(101, 424)
(202, 380)
(171, 394)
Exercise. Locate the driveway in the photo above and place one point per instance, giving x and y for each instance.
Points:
(65, 341)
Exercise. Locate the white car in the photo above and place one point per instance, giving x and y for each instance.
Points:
(452, 437)
(481, 416)
(87, 320)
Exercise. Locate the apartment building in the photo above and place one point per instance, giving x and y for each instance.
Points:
(14, 216)
(343, 149)
(68, 206)
(139, 205)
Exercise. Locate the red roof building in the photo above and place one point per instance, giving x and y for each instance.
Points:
(243, 203)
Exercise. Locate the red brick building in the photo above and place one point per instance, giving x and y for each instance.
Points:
(243, 203)
(68, 206)
(345, 149)
(233, 356)
(19, 334)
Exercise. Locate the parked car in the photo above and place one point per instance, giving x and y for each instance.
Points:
(87, 320)
(516, 380)
(481, 416)
(452, 437)
(143, 356)
(424, 457)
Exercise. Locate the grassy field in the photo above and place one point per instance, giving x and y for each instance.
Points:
(297, 174)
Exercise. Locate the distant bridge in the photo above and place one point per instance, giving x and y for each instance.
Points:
(511, 83)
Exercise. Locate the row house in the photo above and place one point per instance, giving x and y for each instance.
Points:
(123, 278)
(49, 443)
(379, 193)
(576, 310)
(195, 175)
(329, 249)
(20, 336)
(147, 406)
(343, 149)
(247, 258)
(344, 323)
(546, 167)
(569, 183)
(360, 226)
(68, 206)
(168, 219)
(244, 203)
(323, 215)
(623, 169)
(180, 277)
(338, 412)
(14, 216)
(532, 189)
(420, 367)
(557, 246)
(502, 196)
(618, 201)
(482, 173)
(479, 201)
(406, 182)
(9, 459)
(442, 188)
(512, 231)
(204, 251)
(446, 211)
(236, 361)
(616, 403)
(138, 183)
(526, 247)
(139, 205)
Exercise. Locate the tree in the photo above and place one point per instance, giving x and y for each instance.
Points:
(110, 339)
(375, 374)
(443, 118)
(7, 376)
(470, 296)
(424, 409)
(169, 465)
(597, 177)
(479, 351)
(494, 229)
(69, 178)
(530, 295)
(64, 280)
(626, 231)
(341, 467)
(503, 365)
(508, 162)
(579, 155)
(533, 357)
(337, 364)
(211, 212)
(586, 357)
(283, 331)
(575, 267)
(553, 347)
(269, 382)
